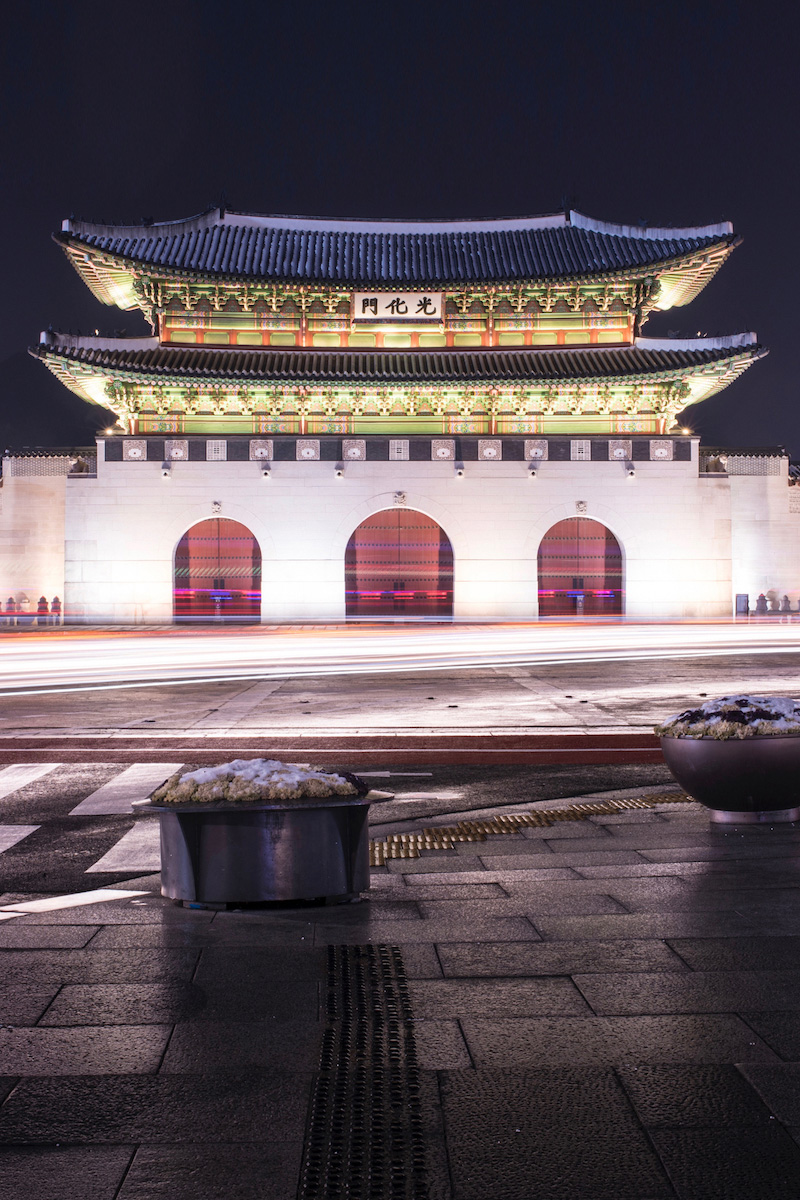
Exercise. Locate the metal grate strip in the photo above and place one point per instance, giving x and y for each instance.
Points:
(365, 1139)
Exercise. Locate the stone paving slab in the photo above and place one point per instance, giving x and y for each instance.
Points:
(496, 960)
(623, 1028)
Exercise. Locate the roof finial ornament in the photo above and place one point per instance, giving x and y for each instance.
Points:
(568, 202)
(223, 204)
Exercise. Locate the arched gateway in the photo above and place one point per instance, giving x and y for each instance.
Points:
(580, 570)
(399, 563)
(218, 574)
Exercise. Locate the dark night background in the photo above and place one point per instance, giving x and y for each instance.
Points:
(667, 113)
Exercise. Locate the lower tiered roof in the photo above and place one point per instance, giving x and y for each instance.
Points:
(636, 388)
(74, 360)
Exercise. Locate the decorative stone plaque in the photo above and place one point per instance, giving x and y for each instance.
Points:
(443, 449)
(176, 451)
(580, 450)
(490, 449)
(216, 450)
(661, 451)
(581, 506)
(134, 451)
(536, 449)
(260, 449)
(307, 450)
(620, 450)
(400, 498)
(398, 450)
(354, 449)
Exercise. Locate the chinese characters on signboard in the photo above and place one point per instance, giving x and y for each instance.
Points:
(397, 306)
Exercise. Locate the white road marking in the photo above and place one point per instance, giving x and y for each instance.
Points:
(232, 711)
(9, 916)
(11, 834)
(117, 796)
(137, 850)
(397, 774)
(402, 796)
(13, 778)
(76, 900)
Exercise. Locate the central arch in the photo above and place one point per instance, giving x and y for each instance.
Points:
(580, 570)
(217, 574)
(399, 563)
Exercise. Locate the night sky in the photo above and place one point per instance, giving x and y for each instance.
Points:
(673, 114)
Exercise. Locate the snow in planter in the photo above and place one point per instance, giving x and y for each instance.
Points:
(731, 717)
(252, 779)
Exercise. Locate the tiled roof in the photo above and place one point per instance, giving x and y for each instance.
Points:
(235, 245)
(364, 366)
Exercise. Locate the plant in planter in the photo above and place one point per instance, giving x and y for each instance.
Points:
(250, 780)
(739, 756)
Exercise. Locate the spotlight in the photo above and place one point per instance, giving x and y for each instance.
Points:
(459, 470)
(166, 470)
(339, 471)
(265, 472)
(531, 472)
(631, 472)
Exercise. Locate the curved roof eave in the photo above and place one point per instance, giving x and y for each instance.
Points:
(132, 359)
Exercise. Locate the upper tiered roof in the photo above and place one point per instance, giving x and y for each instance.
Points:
(321, 251)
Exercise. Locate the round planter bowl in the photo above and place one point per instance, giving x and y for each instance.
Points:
(739, 781)
(245, 853)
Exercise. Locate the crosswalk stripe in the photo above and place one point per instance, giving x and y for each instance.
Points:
(75, 900)
(15, 777)
(117, 796)
(11, 834)
(138, 850)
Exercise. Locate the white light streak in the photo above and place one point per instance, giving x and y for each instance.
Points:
(76, 661)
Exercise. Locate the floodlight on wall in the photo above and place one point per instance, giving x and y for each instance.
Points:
(265, 472)
(166, 470)
(338, 471)
(631, 472)
(459, 470)
(531, 472)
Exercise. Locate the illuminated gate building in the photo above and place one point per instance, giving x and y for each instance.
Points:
(381, 419)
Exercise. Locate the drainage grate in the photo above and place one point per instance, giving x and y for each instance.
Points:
(365, 1136)
(444, 837)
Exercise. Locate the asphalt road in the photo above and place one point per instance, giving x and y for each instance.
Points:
(598, 696)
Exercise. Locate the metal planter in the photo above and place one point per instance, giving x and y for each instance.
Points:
(244, 853)
(739, 781)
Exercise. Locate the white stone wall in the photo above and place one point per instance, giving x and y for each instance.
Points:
(122, 529)
(32, 536)
(765, 515)
(689, 541)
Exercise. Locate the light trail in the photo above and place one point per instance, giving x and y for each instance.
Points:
(83, 659)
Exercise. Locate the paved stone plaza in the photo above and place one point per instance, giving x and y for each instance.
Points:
(604, 1007)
